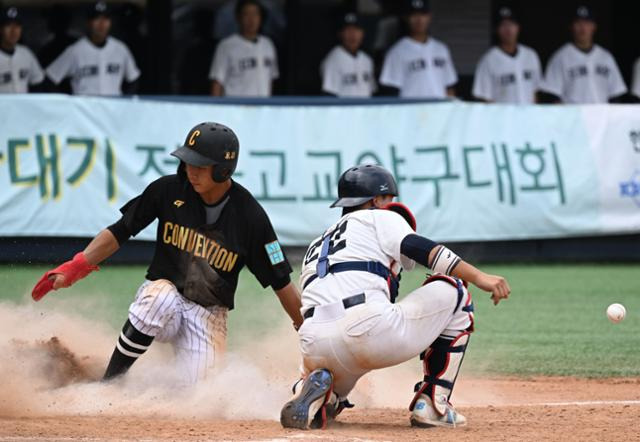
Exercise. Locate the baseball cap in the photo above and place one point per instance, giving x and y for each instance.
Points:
(350, 19)
(10, 15)
(583, 13)
(99, 9)
(418, 6)
(506, 13)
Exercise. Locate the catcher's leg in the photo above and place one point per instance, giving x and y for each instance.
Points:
(154, 312)
(441, 362)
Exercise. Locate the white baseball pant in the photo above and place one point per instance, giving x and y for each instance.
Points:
(198, 334)
(379, 334)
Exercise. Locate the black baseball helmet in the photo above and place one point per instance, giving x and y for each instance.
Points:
(211, 144)
(360, 184)
(10, 15)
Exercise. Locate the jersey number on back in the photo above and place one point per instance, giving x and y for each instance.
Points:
(336, 243)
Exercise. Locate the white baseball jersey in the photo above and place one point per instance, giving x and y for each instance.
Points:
(347, 75)
(375, 334)
(635, 87)
(19, 70)
(244, 67)
(363, 235)
(95, 70)
(577, 76)
(419, 69)
(504, 78)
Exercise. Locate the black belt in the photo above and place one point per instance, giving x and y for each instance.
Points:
(349, 302)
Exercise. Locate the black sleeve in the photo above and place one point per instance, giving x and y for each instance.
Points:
(417, 247)
(266, 259)
(137, 213)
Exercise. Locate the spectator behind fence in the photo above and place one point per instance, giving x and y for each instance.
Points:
(419, 65)
(635, 85)
(508, 72)
(347, 71)
(274, 21)
(245, 64)
(581, 71)
(98, 64)
(18, 66)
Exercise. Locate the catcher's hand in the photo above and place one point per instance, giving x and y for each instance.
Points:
(64, 275)
(496, 285)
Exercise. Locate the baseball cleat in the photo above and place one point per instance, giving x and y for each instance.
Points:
(424, 415)
(306, 410)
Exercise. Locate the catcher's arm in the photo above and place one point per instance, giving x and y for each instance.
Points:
(100, 248)
(445, 261)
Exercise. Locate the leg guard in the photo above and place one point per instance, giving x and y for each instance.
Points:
(441, 363)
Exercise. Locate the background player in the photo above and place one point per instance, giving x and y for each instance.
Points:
(352, 326)
(209, 228)
(245, 64)
(98, 64)
(635, 82)
(581, 71)
(347, 71)
(419, 65)
(508, 72)
(19, 68)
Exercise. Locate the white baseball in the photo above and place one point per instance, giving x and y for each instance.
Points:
(616, 313)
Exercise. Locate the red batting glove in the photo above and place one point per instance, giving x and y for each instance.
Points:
(72, 271)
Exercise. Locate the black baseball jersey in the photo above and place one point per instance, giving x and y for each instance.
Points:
(203, 260)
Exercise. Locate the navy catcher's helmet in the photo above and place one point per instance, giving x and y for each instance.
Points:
(210, 144)
(362, 183)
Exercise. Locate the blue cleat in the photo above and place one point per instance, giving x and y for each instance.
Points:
(307, 408)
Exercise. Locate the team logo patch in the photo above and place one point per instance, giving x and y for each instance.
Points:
(178, 203)
(276, 256)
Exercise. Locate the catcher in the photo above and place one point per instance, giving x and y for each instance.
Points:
(352, 326)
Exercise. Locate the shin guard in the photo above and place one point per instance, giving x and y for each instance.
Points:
(441, 362)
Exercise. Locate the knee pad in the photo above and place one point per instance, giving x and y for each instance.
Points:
(441, 363)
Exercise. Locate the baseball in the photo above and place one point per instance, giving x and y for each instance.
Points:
(616, 313)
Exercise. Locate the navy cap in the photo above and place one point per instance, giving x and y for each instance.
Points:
(418, 6)
(350, 19)
(506, 13)
(10, 15)
(583, 13)
(99, 9)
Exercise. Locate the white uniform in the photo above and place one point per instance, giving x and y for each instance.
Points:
(198, 334)
(95, 70)
(504, 78)
(347, 75)
(244, 67)
(420, 70)
(19, 70)
(635, 87)
(577, 76)
(376, 334)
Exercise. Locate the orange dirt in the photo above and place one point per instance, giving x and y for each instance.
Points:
(536, 409)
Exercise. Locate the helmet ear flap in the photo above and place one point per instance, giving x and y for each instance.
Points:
(220, 173)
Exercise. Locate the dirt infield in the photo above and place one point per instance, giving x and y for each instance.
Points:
(537, 409)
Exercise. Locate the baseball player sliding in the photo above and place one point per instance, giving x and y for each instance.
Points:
(209, 228)
(352, 325)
